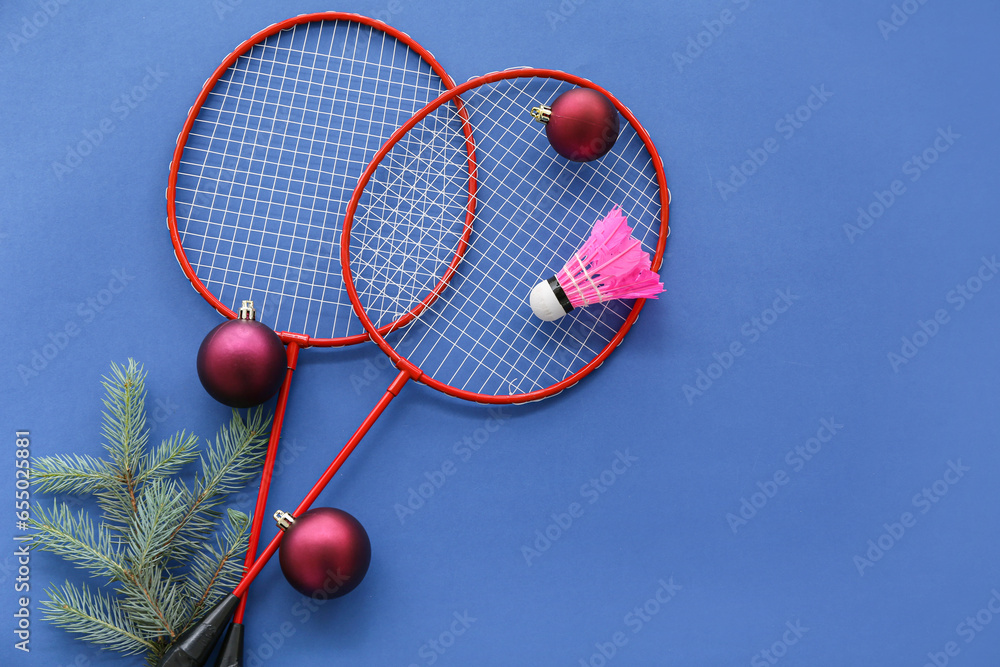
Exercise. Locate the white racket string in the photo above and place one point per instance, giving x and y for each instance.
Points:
(534, 209)
(273, 156)
(431, 249)
(503, 251)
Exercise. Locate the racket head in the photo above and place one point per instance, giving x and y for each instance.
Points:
(269, 154)
(479, 340)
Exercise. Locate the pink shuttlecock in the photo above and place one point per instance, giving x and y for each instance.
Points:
(610, 265)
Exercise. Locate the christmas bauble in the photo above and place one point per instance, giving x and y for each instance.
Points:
(582, 124)
(324, 553)
(242, 362)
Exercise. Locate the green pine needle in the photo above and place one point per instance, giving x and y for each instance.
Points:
(169, 458)
(78, 540)
(163, 546)
(155, 602)
(217, 570)
(94, 617)
(226, 466)
(160, 507)
(70, 473)
(125, 418)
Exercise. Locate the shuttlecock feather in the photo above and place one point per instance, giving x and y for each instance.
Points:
(610, 265)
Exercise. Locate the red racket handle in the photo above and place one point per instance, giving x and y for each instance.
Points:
(292, 350)
(401, 379)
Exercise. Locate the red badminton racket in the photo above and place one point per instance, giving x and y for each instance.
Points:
(478, 339)
(264, 166)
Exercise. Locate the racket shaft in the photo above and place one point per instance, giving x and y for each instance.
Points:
(268, 470)
(401, 379)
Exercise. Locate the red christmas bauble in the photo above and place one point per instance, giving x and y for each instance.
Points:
(242, 362)
(582, 125)
(325, 553)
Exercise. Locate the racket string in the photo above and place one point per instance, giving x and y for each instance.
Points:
(275, 152)
(466, 339)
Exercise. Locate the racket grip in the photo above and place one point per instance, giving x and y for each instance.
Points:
(194, 647)
(231, 653)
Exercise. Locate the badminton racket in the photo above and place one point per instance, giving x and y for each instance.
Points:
(478, 339)
(263, 168)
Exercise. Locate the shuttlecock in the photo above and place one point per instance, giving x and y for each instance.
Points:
(610, 265)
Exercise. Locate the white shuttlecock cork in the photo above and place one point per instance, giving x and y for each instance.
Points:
(610, 265)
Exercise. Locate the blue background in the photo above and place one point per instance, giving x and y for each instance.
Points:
(712, 88)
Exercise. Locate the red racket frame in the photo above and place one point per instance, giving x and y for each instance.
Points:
(295, 341)
(407, 370)
(377, 334)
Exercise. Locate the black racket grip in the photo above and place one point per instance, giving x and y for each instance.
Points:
(193, 648)
(231, 653)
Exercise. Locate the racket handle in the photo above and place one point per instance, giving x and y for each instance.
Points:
(231, 653)
(401, 379)
(194, 647)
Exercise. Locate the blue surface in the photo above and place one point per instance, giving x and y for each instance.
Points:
(855, 552)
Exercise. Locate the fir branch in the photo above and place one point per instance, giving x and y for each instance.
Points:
(125, 426)
(236, 456)
(95, 550)
(173, 454)
(160, 507)
(115, 503)
(70, 474)
(154, 543)
(227, 465)
(76, 539)
(154, 601)
(94, 617)
(217, 570)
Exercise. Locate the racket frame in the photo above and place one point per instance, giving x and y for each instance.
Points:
(287, 337)
(377, 334)
(293, 341)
